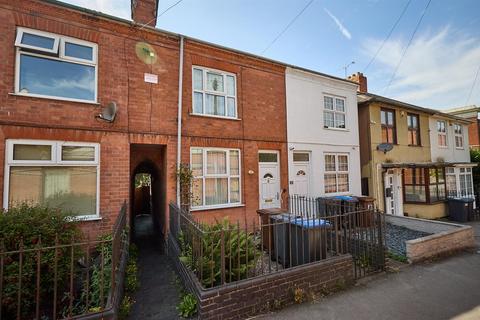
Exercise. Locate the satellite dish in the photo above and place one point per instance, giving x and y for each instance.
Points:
(385, 147)
(109, 112)
(146, 53)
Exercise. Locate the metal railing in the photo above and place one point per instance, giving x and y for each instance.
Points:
(61, 280)
(226, 252)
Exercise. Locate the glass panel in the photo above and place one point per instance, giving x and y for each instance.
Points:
(231, 107)
(38, 41)
(383, 117)
(198, 102)
(216, 162)
(303, 156)
(433, 193)
(234, 190)
(197, 162)
(330, 183)
(441, 175)
(329, 162)
(451, 185)
(215, 105)
(328, 119)
(234, 163)
(441, 192)
(339, 120)
(32, 152)
(415, 193)
(267, 157)
(342, 163)
(230, 85)
(340, 105)
(78, 153)
(216, 191)
(328, 102)
(56, 78)
(197, 192)
(390, 118)
(78, 51)
(197, 79)
(342, 182)
(214, 82)
(72, 189)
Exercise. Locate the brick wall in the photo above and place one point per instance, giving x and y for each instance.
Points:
(147, 113)
(474, 133)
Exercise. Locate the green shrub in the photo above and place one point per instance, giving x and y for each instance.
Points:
(131, 283)
(36, 226)
(240, 253)
(187, 306)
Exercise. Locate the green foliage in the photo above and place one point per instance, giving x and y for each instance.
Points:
(187, 306)
(475, 157)
(131, 283)
(125, 307)
(37, 226)
(240, 253)
(184, 175)
(397, 257)
(143, 180)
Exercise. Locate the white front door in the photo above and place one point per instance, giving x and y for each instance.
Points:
(301, 173)
(392, 192)
(269, 176)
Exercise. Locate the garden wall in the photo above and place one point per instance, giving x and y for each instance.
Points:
(446, 237)
(260, 294)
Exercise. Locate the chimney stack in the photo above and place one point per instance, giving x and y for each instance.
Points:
(361, 80)
(145, 12)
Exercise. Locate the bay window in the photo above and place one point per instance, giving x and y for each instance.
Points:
(54, 66)
(336, 173)
(424, 185)
(214, 93)
(216, 181)
(459, 182)
(334, 112)
(63, 175)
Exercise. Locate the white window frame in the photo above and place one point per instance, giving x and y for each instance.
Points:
(204, 91)
(456, 135)
(57, 54)
(440, 133)
(56, 161)
(334, 111)
(468, 174)
(336, 172)
(227, 175)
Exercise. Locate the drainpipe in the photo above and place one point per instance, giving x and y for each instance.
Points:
(179, 117)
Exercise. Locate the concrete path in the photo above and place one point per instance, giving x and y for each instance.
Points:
(158, 295)
(436, 291)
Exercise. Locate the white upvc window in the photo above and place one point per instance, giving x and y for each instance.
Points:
(334, 112)
(458, 133)
(336, 173)
(459, 182)
(214, 93)
(216, 181)
(57, 174)
(442, 133)
(55, 67)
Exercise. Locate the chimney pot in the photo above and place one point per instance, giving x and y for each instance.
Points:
(144, 12)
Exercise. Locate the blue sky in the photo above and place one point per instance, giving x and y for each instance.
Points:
(438, 69)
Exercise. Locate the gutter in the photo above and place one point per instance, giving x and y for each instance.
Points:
(179, 117)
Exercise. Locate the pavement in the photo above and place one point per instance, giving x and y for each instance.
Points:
(443, 289)
(158, 295)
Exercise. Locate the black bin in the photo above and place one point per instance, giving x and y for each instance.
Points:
(308, 240)
(279, 251)
(460, 209)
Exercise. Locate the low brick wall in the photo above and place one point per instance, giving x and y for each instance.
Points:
(446, 238)
(257, 295)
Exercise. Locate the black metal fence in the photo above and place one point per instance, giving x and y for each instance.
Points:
(62, 280)
(225, 252)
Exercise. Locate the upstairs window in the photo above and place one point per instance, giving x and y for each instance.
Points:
(214, 93)
(54, 66)
(442, 133)
(389, 131)
(413, 130)
(334, 112)
(458, 132)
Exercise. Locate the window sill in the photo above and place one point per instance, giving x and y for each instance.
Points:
(424, 202)
(336, 129)
(223, 206)
(443, 147)
(214, 116)
(85, 218)
(415, 145)
(18, 94)
(457, 148)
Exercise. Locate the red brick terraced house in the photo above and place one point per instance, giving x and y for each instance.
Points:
(62, 66)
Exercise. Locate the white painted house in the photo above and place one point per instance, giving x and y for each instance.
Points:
(322, 133)
(449, 144)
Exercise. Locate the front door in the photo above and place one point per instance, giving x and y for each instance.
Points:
(392, 192)
(301, 173)
(269, 176)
